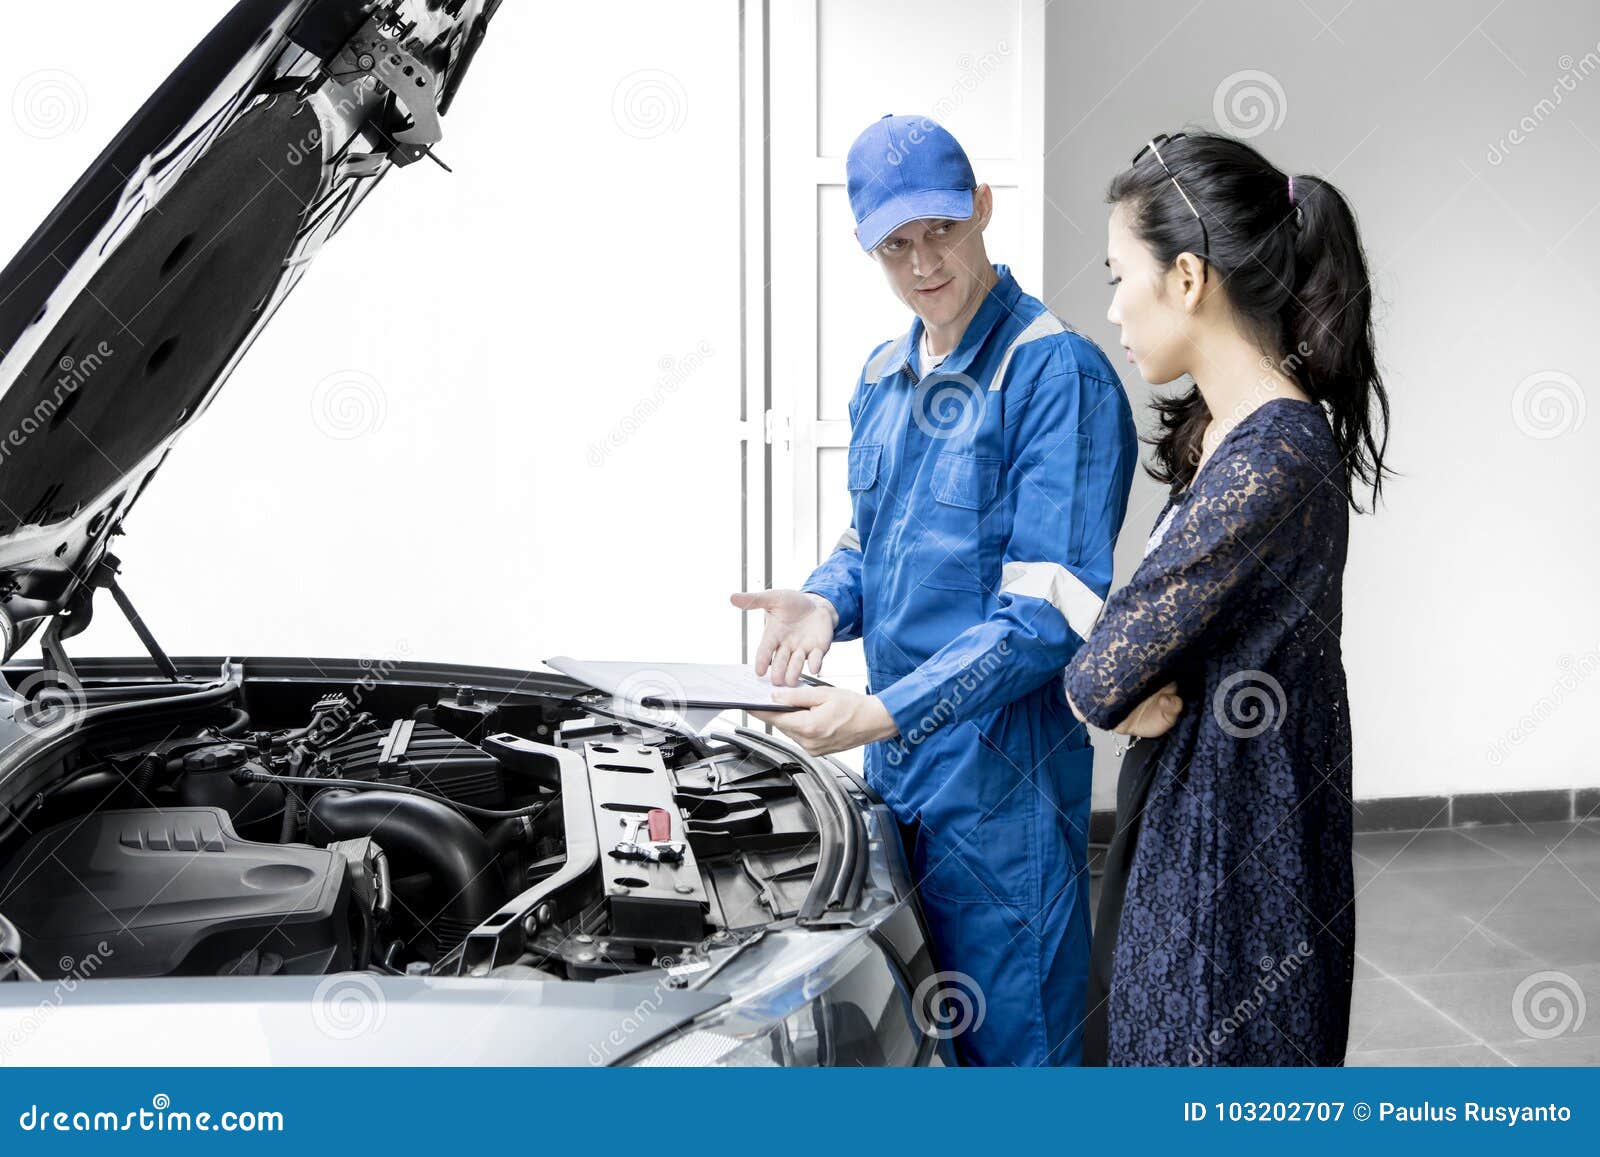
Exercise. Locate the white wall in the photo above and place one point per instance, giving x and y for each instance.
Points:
(528, 452)
(1472, 630)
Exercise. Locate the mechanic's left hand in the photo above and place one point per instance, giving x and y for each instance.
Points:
(835, 719)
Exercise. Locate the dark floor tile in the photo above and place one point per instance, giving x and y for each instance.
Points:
(1511, 807)
(1434, 1056)
(1423, 850)
(1562, 1050)
(1517, 1004)
(1557, 938)
(1531, 843)
(1433, 944)
(1478, 892)
(1390, 896)
(1404, 814)
(1385, 1015)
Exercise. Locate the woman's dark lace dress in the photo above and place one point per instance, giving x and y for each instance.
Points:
(1237, 936)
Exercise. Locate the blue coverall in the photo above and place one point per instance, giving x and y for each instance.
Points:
(987, 497)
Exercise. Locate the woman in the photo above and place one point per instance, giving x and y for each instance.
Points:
(1231, 870)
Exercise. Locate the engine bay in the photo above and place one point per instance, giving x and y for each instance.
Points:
(276, 826)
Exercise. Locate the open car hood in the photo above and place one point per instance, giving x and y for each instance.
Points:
(132, 303)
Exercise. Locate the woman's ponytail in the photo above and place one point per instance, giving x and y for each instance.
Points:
(1328, 328)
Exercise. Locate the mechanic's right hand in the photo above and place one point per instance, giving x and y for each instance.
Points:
(798, 631)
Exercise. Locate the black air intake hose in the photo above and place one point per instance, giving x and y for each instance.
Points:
(421, 833)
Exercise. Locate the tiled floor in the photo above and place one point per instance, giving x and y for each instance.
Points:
(1477, 946)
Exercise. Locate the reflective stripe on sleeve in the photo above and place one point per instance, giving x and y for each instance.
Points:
(1059, 587)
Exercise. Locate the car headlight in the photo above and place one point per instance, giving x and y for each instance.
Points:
(801, 998)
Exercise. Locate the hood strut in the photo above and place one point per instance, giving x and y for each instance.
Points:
(82, 611)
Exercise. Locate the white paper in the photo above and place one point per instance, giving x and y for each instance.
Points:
(690, 695)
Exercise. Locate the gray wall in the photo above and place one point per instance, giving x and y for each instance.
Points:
(1467, 136)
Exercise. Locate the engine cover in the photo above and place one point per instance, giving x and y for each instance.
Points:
(425, 756)
(175, 892)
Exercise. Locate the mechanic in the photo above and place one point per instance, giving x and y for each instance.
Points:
(991, 453)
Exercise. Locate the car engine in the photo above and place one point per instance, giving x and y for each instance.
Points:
(406, 830)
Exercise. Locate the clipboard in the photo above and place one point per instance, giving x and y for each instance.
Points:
(686, 687)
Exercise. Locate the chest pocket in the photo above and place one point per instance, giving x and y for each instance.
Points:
(965, 480)
(861, 476)
(958, 550)
(863, 468)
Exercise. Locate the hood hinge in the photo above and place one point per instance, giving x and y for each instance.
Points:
(81, 612)
(384, 49)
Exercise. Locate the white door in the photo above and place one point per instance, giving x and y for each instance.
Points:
(835, 66)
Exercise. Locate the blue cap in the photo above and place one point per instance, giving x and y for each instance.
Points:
(903, 168)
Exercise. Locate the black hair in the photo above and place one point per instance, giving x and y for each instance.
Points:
(1296, 274)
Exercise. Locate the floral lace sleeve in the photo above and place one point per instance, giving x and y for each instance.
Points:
(1220, 562)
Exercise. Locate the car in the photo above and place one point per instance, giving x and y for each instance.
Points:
(233, 860)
